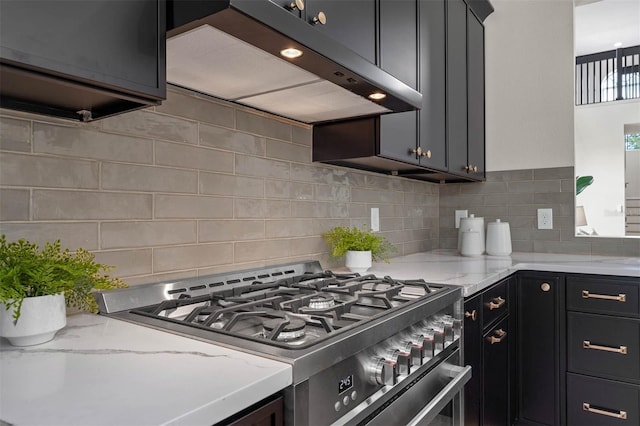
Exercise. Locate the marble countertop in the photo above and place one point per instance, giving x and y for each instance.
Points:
(103, 371)
(477, 273)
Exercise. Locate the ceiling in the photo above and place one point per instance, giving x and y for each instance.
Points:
(601, 23)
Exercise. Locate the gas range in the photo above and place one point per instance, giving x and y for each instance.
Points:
(360, 334)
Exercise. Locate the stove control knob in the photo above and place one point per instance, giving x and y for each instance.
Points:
(382, 372)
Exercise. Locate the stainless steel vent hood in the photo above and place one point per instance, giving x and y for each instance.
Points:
(231, 49)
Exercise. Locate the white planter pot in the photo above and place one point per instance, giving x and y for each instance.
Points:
(40, 319)
(358, 261)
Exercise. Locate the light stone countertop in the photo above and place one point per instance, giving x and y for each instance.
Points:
(477, 273)
(104, 371)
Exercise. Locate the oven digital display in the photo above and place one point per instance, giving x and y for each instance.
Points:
(345, 384)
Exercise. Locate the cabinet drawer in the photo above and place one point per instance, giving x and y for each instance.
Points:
(608, 295)
(592, 401)
(604, 346)
(495, 302)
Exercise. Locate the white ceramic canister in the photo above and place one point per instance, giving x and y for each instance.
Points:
(475, 224)
(498, 238)
(472, 244)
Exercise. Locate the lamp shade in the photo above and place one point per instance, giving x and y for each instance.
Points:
(581, 218)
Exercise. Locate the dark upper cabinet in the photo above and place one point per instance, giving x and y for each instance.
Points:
(541, 348)
(432, 118)
(444, 141)
(351, 22)
(82, 60)
(457, 85)
(475, 97)
(398, 32)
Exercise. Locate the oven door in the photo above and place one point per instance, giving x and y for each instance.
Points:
(432, 399)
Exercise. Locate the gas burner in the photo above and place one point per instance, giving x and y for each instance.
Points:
(284, 329)
(321, 301)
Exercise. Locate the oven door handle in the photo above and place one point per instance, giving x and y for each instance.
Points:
(462, 376)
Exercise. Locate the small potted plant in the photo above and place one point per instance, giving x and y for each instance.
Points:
(35, 286)
(359, 247)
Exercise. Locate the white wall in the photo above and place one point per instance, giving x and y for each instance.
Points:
(599, 130)
(529, 84)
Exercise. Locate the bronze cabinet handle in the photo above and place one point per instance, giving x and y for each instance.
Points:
(620, 350)
(320, 18)
(495, 303)
(618, 415)
(619, 298)
(500, 333)
(471, 315)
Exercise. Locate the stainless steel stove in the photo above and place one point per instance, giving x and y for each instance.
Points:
(364, 349)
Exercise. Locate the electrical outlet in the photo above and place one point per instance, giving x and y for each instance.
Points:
(375, 219)
(459, 215)
(545, 218)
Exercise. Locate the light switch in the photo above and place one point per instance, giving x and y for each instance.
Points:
(375, 219)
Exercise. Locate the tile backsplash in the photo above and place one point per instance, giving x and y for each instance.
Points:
(194, 186)
(198, 186)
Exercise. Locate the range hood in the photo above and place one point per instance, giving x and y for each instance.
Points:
(232, 50)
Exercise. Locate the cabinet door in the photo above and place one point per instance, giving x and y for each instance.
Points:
(432, 80)
(475, 98)
(457, 85)
(495, 374)
(541, 347)
(473, 357)
(351, 22)
(398, 56)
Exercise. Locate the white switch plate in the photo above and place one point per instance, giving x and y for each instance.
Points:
(460, 214)
(545, 218)
(375, 219)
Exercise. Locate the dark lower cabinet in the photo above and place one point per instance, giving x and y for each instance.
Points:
(265, 413)
(603, 350)
(541, 348)
(488, 349)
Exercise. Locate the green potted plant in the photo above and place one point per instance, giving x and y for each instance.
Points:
(359, 247)
(35, 286)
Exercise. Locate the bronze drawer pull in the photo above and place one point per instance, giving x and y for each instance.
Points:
(495, 303)
(587, 345)
(620, 297)
(501, 335)
(471, 315)
(619, 415)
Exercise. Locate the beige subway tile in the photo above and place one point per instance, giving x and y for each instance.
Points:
(302, 135)
(14, 204)
(371, 196)
(127, 262)
(192, 207)
(332, 192)
(252, 208)
(146, 233)
(88, 205)
(193, 256)
(193, 157)
(319, 209)
(230, 230)
(240, 186)
(262, 167)
(71, 235)
(288, 151)
(89, 143)
(36, 170)
(358, 210)
(152, 125)
(555, 173)
(15, 135)
(231, 140)
(196, 108)
(288, 189)
(260, 125)
(311, 245)
(148, 178)
(248, 251)
(291, 228)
